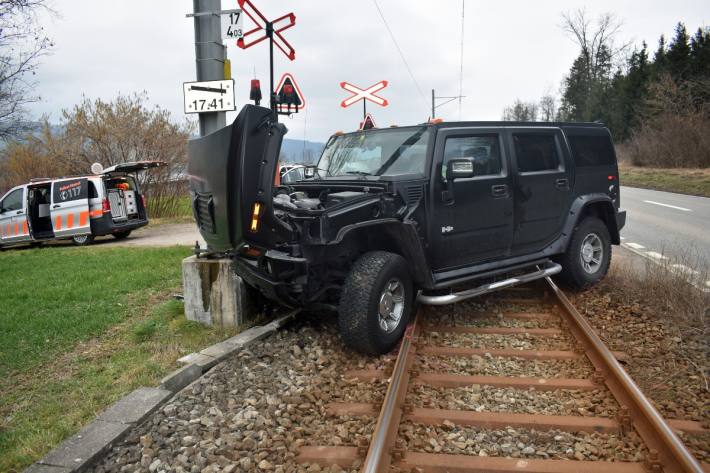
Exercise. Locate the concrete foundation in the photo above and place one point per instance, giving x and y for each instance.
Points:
(214, 294)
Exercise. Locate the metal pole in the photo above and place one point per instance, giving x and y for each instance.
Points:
(364, 109)
(272, 93)
(209, 56)
(433, 105)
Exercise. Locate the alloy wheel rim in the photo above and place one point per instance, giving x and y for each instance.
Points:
(391, 305)
(81, 239)
(592, 253)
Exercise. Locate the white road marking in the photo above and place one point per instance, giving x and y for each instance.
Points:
(655, 255)
(636, 246)
(667, 205)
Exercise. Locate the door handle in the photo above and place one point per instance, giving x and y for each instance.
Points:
(499, 190)
(562, 184)
(56, 206)
(19, 212)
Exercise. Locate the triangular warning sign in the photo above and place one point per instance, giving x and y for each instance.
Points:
(288, 95)
(368, 123)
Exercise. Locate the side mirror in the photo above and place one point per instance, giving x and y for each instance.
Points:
(460, 168)
(309, 172)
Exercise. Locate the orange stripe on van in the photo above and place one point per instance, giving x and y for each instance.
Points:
(17, 229)
(83, 217)
(58, 223)
(70, 221)
(96, 213)
(8, 230)
(24, 228)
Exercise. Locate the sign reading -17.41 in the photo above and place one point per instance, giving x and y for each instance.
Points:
(209, 96)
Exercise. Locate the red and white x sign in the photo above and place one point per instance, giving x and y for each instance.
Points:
(280, 25)
(364, 94)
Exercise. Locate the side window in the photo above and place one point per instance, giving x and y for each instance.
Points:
(13, 201)
(536, 152)
(591, 150)
(483, 149)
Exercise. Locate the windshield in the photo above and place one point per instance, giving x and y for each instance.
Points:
(388, 152)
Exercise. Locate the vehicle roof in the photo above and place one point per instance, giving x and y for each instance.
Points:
(518, 124)
(487, 124)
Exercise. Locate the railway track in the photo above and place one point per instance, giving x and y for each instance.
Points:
(391, 447)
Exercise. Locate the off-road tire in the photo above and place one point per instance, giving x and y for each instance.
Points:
(121, 235)
(573, 274)
(83, 240)
(359, 302)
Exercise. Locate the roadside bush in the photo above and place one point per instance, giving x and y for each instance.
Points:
(675, 132)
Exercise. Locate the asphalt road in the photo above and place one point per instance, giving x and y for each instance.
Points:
(662, 225)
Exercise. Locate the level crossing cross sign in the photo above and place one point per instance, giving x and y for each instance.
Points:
(364, 94)
(266, 29)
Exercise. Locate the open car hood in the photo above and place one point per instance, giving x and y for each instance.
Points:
(134, 166)
(231, 171)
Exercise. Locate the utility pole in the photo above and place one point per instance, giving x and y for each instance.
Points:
(210, 55)
(434, 98)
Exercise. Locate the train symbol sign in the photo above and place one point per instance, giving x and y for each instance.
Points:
(289, 95)
(209, 96)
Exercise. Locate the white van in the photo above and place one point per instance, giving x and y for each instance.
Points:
(81, 207)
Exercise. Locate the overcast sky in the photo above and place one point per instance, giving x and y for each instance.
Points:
(511, 49)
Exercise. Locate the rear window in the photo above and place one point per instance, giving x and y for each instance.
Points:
(590, 150)
(536, 152)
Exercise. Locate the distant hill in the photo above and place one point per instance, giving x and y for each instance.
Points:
(293, 151)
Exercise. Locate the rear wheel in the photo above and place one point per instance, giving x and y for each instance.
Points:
(121, 235)
(82, 240)
(588, 256)
(376, 303)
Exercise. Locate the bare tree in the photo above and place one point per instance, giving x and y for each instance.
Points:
(548, 108)
(596, 39)
(22, 43)
(521, 112)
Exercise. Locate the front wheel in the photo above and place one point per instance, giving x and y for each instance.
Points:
(376, 303)
(588, 256)
(82, 240)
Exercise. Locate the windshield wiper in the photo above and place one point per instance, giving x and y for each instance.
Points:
(359, 173)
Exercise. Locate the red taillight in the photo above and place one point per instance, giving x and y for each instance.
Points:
(105, 205)
(611, 178)
(143, 200)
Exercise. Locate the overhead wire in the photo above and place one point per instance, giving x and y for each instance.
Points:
(401, 54)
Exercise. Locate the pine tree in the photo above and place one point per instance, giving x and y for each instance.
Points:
(660, 59)
(679, 54)
(700, 53)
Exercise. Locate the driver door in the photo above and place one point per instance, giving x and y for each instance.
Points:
(13, 216)
(70, 207)
(472, 218)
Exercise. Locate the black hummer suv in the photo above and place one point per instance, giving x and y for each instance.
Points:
(389, 218)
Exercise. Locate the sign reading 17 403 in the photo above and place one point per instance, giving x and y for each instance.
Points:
(210, 96)
(232, 24)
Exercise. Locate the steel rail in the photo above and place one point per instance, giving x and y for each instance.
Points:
(656, 434)
(383, 437)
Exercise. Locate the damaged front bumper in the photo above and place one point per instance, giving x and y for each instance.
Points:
(279, 277)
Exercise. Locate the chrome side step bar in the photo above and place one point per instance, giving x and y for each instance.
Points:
(549, 269)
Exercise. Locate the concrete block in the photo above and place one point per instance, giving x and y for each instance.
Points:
(214, 294)
(81, 450)
(220, 351)
(136, 406)
(203, 361)
(180, 378)
(39, 468)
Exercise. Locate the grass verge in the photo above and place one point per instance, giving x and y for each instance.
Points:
(79, 328)
(681, 181)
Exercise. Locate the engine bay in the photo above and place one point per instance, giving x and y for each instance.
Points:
(313, 201)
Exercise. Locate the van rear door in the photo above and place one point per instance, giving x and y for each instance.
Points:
(13, 216)
(70, 207)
